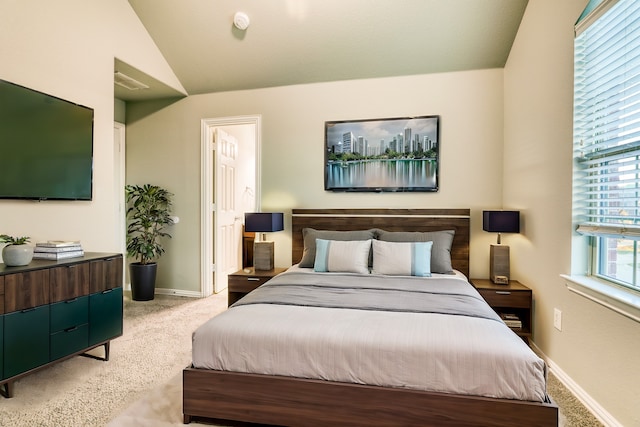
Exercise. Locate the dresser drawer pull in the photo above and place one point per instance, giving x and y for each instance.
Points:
(503, 292)
(107, 291)
(71, 329)
(69, 301)
(253, 279)
(26, 310)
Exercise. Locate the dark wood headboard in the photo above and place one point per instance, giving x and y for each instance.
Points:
(387, 219)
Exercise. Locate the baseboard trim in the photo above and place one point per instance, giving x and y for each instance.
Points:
(174, 292)
(589, 402)
(178, 293)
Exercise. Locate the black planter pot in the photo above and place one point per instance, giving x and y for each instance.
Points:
(143, 280)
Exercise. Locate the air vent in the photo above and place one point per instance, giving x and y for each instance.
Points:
(128, 82)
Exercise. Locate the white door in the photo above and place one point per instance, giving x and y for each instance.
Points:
(217, 183)
(228, 222)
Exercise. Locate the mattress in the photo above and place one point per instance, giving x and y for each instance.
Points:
(434, 334)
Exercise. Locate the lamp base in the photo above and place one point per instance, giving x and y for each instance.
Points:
(263, 255)
(499, 264)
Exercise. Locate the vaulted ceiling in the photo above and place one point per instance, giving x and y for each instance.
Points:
(306, 41)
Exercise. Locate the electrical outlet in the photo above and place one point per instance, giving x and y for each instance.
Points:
(557, 319)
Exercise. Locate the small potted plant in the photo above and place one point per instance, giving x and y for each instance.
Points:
(17, 252)
(148, 214)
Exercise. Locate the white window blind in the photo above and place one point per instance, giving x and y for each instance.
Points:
(607, 124)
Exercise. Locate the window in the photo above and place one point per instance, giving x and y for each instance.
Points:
(607, 139)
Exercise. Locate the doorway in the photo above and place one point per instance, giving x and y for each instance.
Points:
(230, 187)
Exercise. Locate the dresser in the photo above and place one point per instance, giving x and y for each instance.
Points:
(53, 310)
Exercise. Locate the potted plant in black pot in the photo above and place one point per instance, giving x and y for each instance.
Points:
(148, 214)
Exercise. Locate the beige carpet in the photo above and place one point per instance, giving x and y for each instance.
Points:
(155, 347)
(141, 386)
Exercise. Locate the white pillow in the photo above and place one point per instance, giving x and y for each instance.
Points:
(402, 258)
(342, 256)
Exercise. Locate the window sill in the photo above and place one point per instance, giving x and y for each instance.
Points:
(613, 297)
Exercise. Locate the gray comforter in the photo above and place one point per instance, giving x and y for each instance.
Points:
(433, 334)
(402, 294)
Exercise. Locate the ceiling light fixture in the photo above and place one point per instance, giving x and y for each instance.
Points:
(241, 20)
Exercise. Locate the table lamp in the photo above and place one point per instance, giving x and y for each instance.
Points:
(500, 222)
(263, 222)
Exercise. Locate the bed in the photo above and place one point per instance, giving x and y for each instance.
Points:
(342, 347)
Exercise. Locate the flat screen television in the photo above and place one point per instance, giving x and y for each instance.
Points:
(46, 146)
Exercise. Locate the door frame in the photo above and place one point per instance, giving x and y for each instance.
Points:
(207, 225)
(119, 173)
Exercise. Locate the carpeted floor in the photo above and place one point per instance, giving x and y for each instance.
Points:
(141, 384)
(155, 346)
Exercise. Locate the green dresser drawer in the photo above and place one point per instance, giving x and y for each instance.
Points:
(105, 315)
(26, 340)
(69, 341)
(67, 314)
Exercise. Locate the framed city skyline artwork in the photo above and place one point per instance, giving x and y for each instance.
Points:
(382, 155)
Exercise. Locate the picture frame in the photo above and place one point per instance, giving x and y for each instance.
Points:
(382, 155)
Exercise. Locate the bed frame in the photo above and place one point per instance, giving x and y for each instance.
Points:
(277, 400)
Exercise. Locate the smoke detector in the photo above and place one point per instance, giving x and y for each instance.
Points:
(241, 20)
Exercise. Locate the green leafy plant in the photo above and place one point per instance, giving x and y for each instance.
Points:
(148, 214)
(5, 238)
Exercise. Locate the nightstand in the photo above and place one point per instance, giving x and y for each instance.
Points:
(514, 298)
(244, 281)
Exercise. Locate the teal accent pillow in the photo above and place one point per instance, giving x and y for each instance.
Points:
(440, 252)
(402, 258)
(310, 235)
(342, 256)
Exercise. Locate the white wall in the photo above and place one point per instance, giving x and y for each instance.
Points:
(66, 48)
(164, 147)
(596, 348)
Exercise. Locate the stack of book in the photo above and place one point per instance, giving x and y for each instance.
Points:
(511, 320)
(58, 249)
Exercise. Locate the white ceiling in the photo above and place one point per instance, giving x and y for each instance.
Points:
(306, 41)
